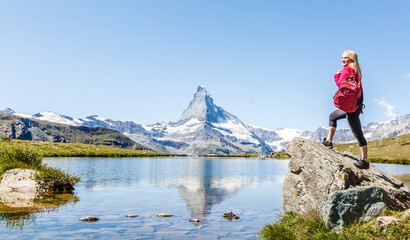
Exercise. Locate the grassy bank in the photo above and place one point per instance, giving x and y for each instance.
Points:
(231, 155)
(21, 156)
(390, 150)
(293, 226)
(47, 149)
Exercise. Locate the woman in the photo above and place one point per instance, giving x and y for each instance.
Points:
(350, 65)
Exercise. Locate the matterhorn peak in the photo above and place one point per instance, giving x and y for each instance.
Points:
(202, 108)
(202, 90)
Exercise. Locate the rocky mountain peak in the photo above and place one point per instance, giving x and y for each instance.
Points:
(201, 88)
(8, 111)
(202, 108)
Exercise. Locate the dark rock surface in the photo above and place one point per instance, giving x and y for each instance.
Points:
(346, 206)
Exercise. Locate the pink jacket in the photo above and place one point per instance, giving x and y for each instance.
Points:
(346, 71)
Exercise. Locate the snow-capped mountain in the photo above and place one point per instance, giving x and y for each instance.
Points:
(7, 111)
(205, 128)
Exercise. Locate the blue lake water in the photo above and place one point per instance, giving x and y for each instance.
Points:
(185, 187)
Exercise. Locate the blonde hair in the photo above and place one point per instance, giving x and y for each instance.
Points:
(353, 56)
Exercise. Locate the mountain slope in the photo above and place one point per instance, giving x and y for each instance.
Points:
(16, 127)
(386, 150)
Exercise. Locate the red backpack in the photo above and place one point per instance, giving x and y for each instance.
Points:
(350, 90)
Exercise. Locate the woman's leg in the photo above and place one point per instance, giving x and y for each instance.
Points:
(363, 150)
(356, 127)
(331, 133)
(333, 117)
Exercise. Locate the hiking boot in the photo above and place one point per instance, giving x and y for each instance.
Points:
(327, 143)
(362, 164)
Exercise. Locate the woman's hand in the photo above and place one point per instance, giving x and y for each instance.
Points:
(338, 72)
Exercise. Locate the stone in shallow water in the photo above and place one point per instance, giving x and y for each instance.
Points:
(230, 216)
(164, 215)
(89, 219)
(132, 215)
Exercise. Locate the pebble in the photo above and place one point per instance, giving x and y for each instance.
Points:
(89, 219)
(230, 216)
(196, 220)
(164, 215)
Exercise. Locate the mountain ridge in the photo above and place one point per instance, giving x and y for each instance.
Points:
(205, 128)
(16, 127)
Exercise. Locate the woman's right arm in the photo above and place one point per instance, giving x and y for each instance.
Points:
(339, 76)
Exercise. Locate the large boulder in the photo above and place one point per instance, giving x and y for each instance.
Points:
(18, 187)
(19, 180)
(326, 181)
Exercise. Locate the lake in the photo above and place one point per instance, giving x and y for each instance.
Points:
(187, 187)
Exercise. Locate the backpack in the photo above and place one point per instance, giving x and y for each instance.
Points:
(349, 96)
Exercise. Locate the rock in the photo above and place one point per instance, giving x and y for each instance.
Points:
(20, 180)
(164, 215)
(89, 219)
(406, 214)
(195, 220)
(230, 216)
(315, 172)
(346, 206)
(132, 215)
(386, 221)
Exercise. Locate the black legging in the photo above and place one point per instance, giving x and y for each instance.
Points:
(354, 122)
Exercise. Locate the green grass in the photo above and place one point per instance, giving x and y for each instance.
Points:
(21, 156)
(279, 155)
(394, 150)
(47, 149)
(294, 226)
(231, 155)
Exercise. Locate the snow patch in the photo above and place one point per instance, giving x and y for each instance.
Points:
(237, 130)
(23, 115)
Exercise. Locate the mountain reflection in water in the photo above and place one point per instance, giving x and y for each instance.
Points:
(206, 188)
(202, 182)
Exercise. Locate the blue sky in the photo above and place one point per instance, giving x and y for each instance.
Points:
(270, 63)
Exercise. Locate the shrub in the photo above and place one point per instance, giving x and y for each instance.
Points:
(51, 179)
(11, 165)
(21, 154)
(56, 180)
